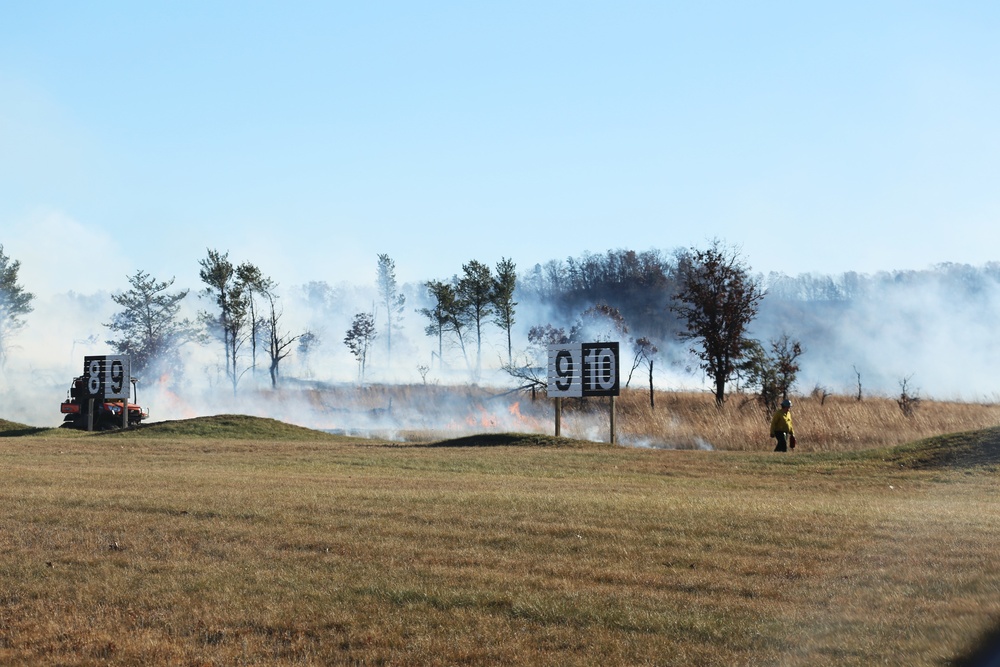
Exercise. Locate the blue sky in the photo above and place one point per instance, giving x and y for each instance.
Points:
(307, 137)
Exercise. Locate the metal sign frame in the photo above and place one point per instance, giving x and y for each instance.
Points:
(583, 369)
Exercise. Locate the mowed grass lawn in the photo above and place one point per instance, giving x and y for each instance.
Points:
(176, 548)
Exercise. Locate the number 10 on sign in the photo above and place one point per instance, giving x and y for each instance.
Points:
(583, 369)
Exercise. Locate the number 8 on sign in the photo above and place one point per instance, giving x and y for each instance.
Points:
(94, 374)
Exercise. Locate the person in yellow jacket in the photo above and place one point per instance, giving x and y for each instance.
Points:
(781, 427)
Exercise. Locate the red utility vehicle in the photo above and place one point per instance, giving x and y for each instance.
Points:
(107, 415)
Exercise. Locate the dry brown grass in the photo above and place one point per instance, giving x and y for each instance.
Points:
(680, 420)
(133, 549)
(833, 424)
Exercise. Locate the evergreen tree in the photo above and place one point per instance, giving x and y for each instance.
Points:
(253, 284)
(475, 298)
(148, 327)
(391, 298)
(504, 284)
(359, 339)
(222, 286)
(15, 303)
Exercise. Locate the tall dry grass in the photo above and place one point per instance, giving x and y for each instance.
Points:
(679, 420)
(822, 424)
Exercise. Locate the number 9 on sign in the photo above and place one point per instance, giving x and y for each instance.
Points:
(565, 367)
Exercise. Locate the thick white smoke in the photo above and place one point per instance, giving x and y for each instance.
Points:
(928, 328)
(923, 330)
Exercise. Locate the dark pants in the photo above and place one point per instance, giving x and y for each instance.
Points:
(782, 442)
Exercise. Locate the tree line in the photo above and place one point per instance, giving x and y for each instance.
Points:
(710, 291)
(692, 307)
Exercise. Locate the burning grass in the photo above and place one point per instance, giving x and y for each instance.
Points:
(505, 549)
(680, 420)
(823, 424)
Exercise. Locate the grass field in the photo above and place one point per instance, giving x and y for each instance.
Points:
(238, 541)
(678, 420)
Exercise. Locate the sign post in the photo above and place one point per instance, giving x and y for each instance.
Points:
(613, 432)
(583, 369)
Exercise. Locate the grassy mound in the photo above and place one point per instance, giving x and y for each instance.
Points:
(227, 427)
(9, 429)
(956, 450)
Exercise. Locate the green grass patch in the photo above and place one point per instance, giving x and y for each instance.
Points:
(957, 450)
(9, 429)
(227, 427)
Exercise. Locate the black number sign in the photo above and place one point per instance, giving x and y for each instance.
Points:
(583, 369)
(107, 376)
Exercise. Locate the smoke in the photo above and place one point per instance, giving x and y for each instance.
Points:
(61, 254)
(935, 328)
(650, 443)
(417, 391)
(930, 328)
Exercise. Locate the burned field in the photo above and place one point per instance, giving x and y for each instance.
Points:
(233, 540)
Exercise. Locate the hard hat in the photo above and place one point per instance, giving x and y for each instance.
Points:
(786, 403)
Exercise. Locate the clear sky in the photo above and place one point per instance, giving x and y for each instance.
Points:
(307, 137)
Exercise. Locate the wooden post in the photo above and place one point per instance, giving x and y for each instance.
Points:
(124, 414)
(558, 417)
(613, 438)
(90, 414)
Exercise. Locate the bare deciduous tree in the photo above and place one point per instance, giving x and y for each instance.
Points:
(645, 354)
(908, 400)
(279, 343)
(307, 345)
(604, 322)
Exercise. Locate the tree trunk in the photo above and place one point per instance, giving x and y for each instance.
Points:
(720, 391)
(652, 400)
